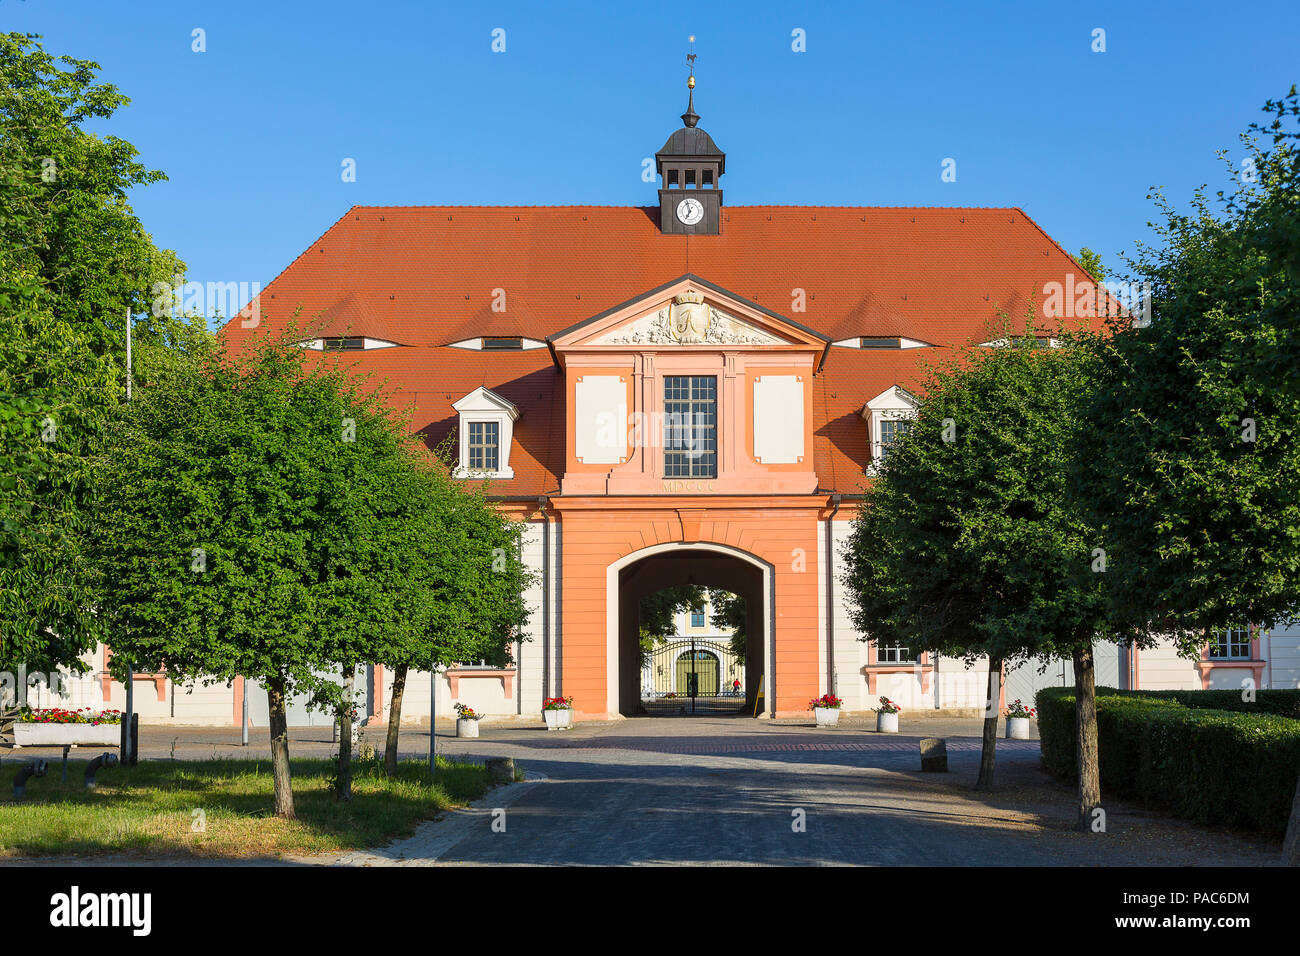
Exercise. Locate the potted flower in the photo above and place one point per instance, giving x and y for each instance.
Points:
(826, 709)
(1018, 717)
(55, 726)
(467, 719)
(887, 716)
(558, 712)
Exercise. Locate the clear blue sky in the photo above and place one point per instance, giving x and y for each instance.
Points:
(252, 132)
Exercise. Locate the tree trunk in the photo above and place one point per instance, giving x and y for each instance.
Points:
(394, 721)
(1085, 715)
(343, 786)
(279, 724)
(988, 751)
(1291, 845)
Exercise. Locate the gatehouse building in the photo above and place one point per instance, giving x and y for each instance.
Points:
(680, 390)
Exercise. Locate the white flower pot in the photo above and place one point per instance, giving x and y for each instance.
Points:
(466, 728)
(1017, 728)
(827, 716)
(561, 719)
(57, 735)
(887, 723)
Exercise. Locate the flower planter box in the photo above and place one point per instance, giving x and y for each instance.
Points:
(466, 728)
(827, 716)
(1017, 728)
(60, 735)
(887, 723)
(561, 719)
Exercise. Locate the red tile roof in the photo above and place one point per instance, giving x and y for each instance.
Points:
(426, 276)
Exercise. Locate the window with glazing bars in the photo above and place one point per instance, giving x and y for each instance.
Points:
(484, 445)
(690, 426)
(891, 430)
(892, 654)
(1232, 644)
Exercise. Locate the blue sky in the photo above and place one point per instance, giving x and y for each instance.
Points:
(252, 133)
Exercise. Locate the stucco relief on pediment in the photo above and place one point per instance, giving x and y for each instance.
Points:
(688, 320)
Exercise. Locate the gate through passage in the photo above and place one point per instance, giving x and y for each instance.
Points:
(693, 677)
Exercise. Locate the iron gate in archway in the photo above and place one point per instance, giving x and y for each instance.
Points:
(693, 676)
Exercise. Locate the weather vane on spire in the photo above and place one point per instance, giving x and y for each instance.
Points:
(690, 117)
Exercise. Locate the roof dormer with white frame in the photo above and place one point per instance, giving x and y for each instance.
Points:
(485, 433)
(887, 415)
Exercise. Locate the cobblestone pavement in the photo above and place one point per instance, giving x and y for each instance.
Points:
(710, 791)
(728, 790)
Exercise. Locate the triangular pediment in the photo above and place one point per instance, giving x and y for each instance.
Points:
(485, 400)
(689, 312)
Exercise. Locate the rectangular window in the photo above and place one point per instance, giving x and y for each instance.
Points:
(891, 430)
(874, 343)
(492, 344)
(690, 426)
(342, 343)
(892, 654)
(1230, 645)
(484, 446)
(697, 617)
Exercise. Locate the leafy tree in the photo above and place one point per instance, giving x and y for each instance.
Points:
(64, 218)
(74, 260)
(970, 541)
(246, 526)
(1194, 444)
(463, 590)
(659, 614)
(728, 614)
(1091, 261)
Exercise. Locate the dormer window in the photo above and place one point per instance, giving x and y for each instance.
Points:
(891, 430)
(484, 446)
(485, 434)
(881, 342)
(498, 343)
(889, 417)
(342, 343)
(346, 343)
(1024, 342)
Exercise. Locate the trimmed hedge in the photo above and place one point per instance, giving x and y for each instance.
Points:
(1211, 766)
(1283, 703)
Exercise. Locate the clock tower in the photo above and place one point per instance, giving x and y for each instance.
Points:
(690, 198)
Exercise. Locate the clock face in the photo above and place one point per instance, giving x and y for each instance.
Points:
(690, 211)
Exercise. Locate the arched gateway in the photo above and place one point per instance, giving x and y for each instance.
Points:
(659, 566)
(682, 392)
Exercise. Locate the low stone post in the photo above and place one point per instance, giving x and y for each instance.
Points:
(934, 754)
(500, 769)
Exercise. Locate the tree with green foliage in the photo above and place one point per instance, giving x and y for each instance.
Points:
(250, 525)
(1194, 443)
(74, 261)
(970, 542)
(658, 614)
(728, 614)
(462, 597)
(1091, 261)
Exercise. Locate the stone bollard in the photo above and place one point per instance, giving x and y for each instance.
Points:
(934, 754)
(500, 769)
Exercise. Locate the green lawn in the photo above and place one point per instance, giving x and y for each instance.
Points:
(150, 808)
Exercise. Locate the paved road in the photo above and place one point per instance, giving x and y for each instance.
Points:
(734, 790)
(669, 791)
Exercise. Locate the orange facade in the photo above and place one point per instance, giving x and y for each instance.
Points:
(778, 532)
